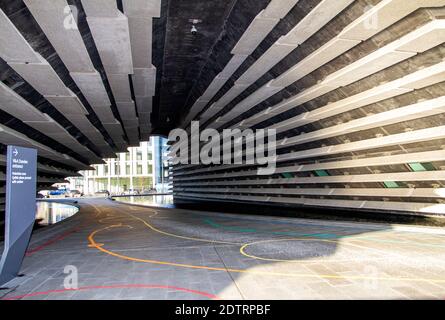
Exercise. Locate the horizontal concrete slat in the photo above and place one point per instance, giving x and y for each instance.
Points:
(387, 206)
(324, 12)
(357, 178)
(141, 30)
(101, 8)
(255, 33)
(415, 136)
(10, 136)
(120, 85)
(142, 8)
(67, 104)
(92, 88)
(43, 168)
(59, 25)
(270, 58)
(144, 104)
(375, 62)
(112, 39)
(144, 82)
(13, 47)
(384, 14)
(331, 192)
(402, 114)
(42, 77)
(16, 106)
(127, 110)
(318, 58)
(428, 156)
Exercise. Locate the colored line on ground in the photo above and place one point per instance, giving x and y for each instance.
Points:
(350, 237)
(240, 244)
(124, 286)
(50, 242)
(286, 233)
(392, 228)
(245, 246)
(178, 236)
(100, 247)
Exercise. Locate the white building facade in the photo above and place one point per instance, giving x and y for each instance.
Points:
(141, 169)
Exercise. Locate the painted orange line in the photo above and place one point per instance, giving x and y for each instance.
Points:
(297, 275)
(179, 236)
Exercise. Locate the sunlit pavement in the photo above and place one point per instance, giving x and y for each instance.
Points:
(111, 250)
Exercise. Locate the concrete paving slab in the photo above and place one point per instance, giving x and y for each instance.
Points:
(186, 254)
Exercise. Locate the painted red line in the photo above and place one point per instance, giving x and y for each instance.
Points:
(50, 242)
(124, 286)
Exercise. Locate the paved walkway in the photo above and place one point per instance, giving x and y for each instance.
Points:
(119, 251)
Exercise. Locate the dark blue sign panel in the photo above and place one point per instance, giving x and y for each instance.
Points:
(21, 172)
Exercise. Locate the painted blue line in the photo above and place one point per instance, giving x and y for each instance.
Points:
(339, 228)
(314, 235)
(287, 233)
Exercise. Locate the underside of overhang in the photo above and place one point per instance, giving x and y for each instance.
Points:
(354, 88)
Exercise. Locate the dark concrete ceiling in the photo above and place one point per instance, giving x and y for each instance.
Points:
(187, 62)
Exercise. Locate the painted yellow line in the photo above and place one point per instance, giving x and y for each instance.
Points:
(107, 218)
(179, 236)
(386, 255)
(243, 248)
(154, 214)
(101, 248)
(338, 241)
(251, 271)
(98, 210)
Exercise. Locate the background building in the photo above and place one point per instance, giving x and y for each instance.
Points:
(161, 171)
(142, 168)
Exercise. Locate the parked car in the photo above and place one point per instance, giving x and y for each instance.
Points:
(103, 193)
(57, 193)
(131, 192)
(73, 194)
(44, 193)
(148, 191)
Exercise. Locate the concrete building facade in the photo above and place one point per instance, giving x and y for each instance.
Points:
(138, 170)
(354, 88)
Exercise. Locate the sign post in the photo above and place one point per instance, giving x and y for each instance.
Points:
(21, 172)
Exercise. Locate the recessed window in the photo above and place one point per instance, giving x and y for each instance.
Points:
(321, 173)
(391, 184)
(418, 167)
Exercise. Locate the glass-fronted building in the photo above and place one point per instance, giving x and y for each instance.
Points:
(142, 169)
(161, 165)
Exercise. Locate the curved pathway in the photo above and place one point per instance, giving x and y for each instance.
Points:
(111, 250)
